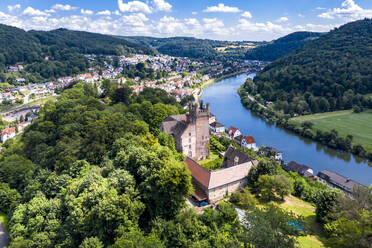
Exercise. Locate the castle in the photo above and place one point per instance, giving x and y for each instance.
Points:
(190, 131)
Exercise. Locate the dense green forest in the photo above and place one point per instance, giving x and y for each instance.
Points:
(330, 73)
(95, 171)
(64, 48)
(282, 46)
(192, 47)
(93, 174)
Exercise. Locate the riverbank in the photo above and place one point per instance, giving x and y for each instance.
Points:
(329, 136)
(345, 122)
(225, 104)
(212, 81)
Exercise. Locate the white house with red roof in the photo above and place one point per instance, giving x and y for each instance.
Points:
(8, 133)
(249, 142)
(233, 132)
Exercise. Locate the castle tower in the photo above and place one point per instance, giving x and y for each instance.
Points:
(202, 130)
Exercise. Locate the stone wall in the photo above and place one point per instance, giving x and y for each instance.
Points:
(220, 192)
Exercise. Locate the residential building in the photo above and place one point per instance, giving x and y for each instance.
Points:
(8, 133)
(335, 180)
(249, 142)
(217, 128)
(212, 118)
(272, 153)
(301, 169)
(212, 186)
(190, 131)
(233, 132)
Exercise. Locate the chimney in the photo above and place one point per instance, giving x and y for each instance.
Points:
(208, 106)
(201, 104)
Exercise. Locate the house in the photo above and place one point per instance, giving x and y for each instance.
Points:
(217, 127)
(337, 181)
(249, 142)
(190, 131)
(8, 133)
(272, 153)
(212, 186)
(212, 118)
(233, 132)
(301, 169)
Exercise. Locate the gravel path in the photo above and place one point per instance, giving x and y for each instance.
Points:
(3, 237)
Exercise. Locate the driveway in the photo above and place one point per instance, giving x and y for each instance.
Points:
(3, 237)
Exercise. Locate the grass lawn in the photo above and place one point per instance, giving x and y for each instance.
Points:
(212, 163)
(307, 211)
(344, 122)
(4, 220)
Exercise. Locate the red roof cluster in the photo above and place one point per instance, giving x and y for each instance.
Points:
(8, 130)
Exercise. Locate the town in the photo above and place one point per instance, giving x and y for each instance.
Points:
(181, 78)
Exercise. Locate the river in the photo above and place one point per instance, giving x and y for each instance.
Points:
(225, 105)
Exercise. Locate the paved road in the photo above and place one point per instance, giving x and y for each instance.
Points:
(3, 237)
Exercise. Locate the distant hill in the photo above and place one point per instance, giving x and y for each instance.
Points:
(282, 46)
(193, 47)
(64, 48)
(329, 73)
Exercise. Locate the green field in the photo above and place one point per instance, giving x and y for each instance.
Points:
(344, 122)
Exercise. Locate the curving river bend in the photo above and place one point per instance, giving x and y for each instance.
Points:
(225, 104)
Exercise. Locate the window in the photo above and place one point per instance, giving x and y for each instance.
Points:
(189, 134)
(190, 146)
(202, 137)
(190, 140)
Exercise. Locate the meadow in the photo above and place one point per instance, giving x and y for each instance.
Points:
(345, 122)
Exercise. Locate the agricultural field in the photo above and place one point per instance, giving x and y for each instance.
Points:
(359, 125)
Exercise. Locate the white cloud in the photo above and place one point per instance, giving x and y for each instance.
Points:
(349, 11)
(222, 8)
(86, 12)
(246, 25)
(194, 13)
(13, 7)
(134, 6)
(247, 14)
(34, 12)
(162, 5)
(116, 12)
(49, 11)
(301, 15)
(320, 8)
(137, 19)
(282, 19)
(63, 7)
(104, 12)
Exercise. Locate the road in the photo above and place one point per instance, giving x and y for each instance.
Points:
(3, 237)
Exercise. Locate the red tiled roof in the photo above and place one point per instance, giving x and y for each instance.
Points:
(249, 139)
(232, 130)
(8, 130)
(198, 172)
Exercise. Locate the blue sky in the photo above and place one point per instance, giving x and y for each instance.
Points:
(213, 19)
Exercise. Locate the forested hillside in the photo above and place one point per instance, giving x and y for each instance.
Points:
(282, 46)
(64, 49)
(329, 73)
(193, 47)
